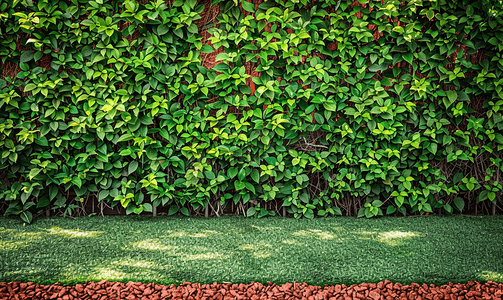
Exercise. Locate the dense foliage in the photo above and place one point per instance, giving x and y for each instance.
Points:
(321, 107)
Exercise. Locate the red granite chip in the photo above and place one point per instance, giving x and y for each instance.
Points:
(137, 290)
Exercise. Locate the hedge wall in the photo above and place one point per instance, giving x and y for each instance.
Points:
(299, 108)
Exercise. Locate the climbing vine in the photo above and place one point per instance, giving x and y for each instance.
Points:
(299, 108)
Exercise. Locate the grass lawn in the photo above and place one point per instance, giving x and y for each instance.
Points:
(167, 250)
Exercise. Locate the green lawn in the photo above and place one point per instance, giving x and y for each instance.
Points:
(169, 250)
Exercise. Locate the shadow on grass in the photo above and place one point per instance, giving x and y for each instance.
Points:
(237, 251)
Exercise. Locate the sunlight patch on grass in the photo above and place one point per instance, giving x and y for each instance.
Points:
(72, 233)
(262, 254)
(290, 242)
(12, 246)
(152, 244)
(6, 231)
(258, 249)
(205, 256)
(110, 274)
(395, 238)
(30, 235)
(323, 235)
(133, 263)
(493, 276)
(204, 234)
(266, 228)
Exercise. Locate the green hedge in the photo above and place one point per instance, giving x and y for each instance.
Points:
(324, 107)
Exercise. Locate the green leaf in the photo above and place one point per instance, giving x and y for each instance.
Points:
(200, 78)
(132, 167)
(207, 49)
(26, 216)
(87, 22)
(249, 7)
(34, 172)
(185, 211)
(361, 212)
(147, 207)
(162, 29)
(152, 153)
(386, 82)
(251, 211)
(377, 203)
(221, 67)
(451, 97)
(26, 56)
(469, 10)
(390, 210)
(408, 57)
(53, 192)
(103, 194)
(430, 14)
(250, 187)
(77, 181)
(173, 210)
(29, 87)
(448, 208)
(337, 211)
(459, 203)
(491, 196)
(232, 172)
(242, 174)
(221, 56)
(255, 175)
(209, 174)
(433, 148)
(427, 207)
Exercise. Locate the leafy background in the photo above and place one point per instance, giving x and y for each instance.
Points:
(297, 108)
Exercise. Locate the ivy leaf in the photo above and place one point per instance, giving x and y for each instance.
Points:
(232, 172)
(242, 174)
(250, 187)
(26, 56)
(147, 207)
(251, 211)
(77, 181)
(29, 87)
(209, 174)
(162, 29)
(377, 203)
(53, 192)
(173, 210)
(26, 216)
(221, 67)
(430, 14)
(103, 194)
(433, 148)
(239, 185)
(408, 57)
(207, 49)
(451, 97)
(185, 211)
(132, 167)
(459, 204)
(34, 172)
(255, 175)
(249, 7)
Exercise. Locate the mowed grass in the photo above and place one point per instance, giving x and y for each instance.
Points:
(167, 250)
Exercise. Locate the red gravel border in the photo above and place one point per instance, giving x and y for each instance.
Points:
(386, 290)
